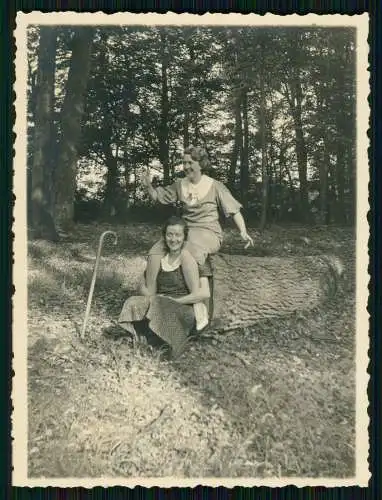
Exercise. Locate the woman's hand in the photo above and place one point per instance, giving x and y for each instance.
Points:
(146, 181)
(245, 237)
(239, 221)
(146, 178)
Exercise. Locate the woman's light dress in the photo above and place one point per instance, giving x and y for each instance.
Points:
(201, 204)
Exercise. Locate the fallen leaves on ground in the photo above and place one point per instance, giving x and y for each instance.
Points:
(274, 399)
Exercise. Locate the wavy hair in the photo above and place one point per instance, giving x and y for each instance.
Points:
(199, 154)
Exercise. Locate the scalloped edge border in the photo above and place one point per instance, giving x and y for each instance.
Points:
(360, 21)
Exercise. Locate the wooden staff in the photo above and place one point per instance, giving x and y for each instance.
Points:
(90, 297)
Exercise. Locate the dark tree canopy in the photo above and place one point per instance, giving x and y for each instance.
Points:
(274, 107)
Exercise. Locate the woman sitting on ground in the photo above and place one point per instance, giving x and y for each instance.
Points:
(202, 198)
(166, 308)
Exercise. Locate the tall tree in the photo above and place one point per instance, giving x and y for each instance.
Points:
(244, 160)
(264, 170)
(163, 130)
(235, 96)
(41, 206)
(71, 116)
(294, 94)
(237, 144)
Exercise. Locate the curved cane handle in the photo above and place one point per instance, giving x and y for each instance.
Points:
(104, 234)
(90, 296)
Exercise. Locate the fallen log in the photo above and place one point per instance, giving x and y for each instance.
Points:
(248, 289)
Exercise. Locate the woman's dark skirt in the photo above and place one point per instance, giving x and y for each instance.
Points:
(170, 321)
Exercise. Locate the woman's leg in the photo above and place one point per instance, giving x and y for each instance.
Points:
(191, 275)
(200, 244)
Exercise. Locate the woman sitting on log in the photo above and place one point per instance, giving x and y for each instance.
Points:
(201, 198)
(166, 309)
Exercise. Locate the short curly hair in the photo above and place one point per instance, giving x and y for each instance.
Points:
(199, 154)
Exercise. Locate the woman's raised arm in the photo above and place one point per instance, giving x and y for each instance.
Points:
(146, 181)
(164, 195)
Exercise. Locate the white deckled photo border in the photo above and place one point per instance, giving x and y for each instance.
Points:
(19, 329)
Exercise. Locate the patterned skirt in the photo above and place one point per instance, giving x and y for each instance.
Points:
(170, 321)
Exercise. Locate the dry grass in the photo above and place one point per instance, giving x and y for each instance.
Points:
(272, 400)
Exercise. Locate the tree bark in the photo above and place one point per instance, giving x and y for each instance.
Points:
(163, 127)
(111, 189)
(248, 289)
(71, 115)
(264, 171)
(323, 170)
(186, 134)
(244, 163)
(340, 182)
(41, 210)
(302, 157)
(294, 97)
(238, 140)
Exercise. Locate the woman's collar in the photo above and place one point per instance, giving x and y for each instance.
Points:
(166, 266)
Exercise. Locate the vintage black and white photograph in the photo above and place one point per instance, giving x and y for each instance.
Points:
(191, 250)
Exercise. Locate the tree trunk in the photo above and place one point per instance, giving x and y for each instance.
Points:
(340, 182)
(111, 189)
(186, 134)
(187, 95)
(264, 171)
(71, 115)
(238, 140)
(163, 127)
(196, 127)
(251, 289)
(41, 209)
(244, 163)
(302, 160)
(323, 170)
(295, 102)
(248, 289)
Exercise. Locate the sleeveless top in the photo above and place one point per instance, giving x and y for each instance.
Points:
(170, 280)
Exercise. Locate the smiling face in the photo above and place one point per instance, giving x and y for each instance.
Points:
(191, 168)
(175, 237)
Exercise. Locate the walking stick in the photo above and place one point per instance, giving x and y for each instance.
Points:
(88, 305)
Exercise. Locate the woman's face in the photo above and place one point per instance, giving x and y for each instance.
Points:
(175, 237)
(191, 168)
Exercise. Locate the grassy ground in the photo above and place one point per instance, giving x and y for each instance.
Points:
(270, 401)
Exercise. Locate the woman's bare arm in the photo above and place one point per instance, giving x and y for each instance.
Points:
(240, 223)
(198, 295)
(146, 290)
(199, 288)
(146, 181)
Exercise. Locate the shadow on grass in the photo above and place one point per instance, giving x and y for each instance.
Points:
(294, 415)
(294, 406)
(59, 281)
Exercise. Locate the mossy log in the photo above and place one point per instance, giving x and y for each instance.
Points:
(248, 289)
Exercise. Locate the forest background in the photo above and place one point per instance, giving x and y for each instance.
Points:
(274, 107)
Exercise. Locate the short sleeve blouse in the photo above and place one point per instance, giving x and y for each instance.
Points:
(204, 212)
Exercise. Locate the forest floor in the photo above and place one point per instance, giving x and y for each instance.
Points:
(272, 401)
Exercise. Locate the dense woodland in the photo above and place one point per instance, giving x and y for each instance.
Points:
(274, 107)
